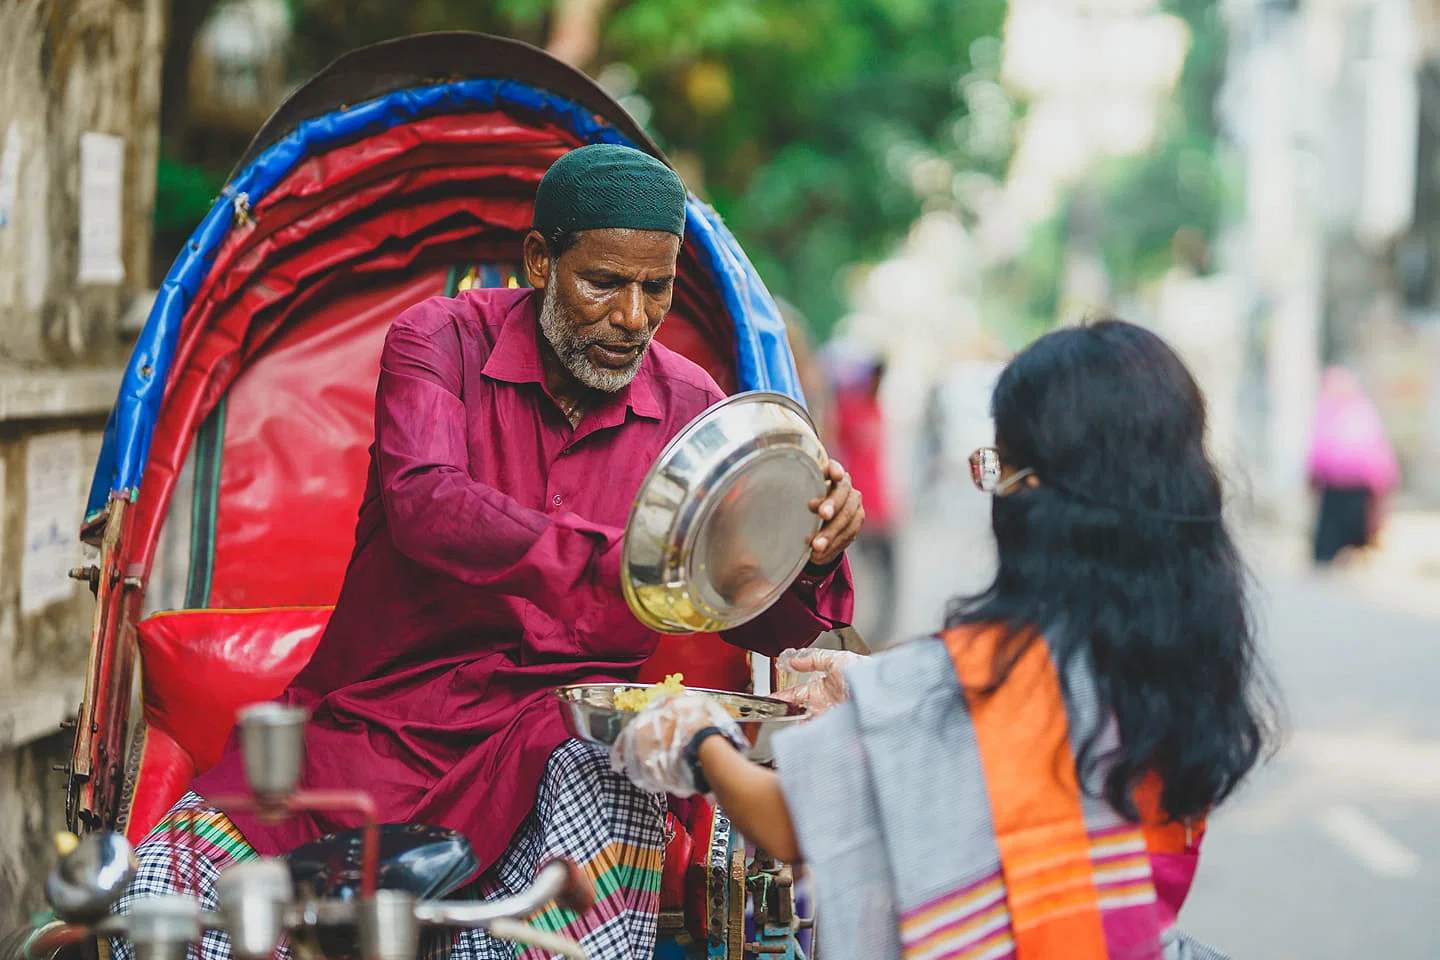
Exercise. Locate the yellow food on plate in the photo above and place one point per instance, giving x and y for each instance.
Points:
(638, 698)
(668, 604)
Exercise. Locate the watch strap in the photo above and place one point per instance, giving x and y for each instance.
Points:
(692, 757)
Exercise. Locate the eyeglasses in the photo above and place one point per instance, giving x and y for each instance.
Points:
(985, 470)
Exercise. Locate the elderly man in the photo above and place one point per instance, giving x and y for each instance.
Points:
(512, 431)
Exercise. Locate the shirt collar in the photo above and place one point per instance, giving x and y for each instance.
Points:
(515, 358)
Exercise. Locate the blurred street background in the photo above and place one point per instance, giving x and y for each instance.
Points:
(928, 185)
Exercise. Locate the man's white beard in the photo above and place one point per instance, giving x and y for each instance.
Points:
(571, 348)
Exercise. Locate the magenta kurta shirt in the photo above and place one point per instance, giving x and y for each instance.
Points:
(485, 574)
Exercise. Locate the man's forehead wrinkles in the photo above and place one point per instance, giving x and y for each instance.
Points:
(629, 268)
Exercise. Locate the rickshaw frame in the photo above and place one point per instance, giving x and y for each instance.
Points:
(121, 575)
(167, 394)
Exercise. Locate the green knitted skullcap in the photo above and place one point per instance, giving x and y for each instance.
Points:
(606, 185)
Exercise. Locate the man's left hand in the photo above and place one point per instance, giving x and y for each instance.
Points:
(826, 690)
(842, 515)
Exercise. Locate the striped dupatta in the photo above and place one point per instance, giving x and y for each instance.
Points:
(940, 824)
(1078, 881)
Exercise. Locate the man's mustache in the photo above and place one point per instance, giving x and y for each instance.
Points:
(618, 343)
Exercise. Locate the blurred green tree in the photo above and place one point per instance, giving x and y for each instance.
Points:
(1180, 182)
(817, 128)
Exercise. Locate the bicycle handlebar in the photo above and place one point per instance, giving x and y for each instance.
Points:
(558, 881)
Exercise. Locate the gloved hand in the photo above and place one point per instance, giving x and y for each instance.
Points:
(825, 691)
(651, 748)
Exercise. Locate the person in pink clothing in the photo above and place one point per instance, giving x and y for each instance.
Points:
(1352, 466)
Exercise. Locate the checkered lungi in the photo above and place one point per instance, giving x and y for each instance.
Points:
(583, 812)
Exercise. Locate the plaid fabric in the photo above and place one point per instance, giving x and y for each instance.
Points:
(584, 812)
(593, 816)
(185, 854)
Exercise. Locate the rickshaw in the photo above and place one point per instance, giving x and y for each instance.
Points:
(237, 449)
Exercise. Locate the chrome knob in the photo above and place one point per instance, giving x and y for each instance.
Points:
(253, 899)
(272, 740)
(162, 928)
(388, 928)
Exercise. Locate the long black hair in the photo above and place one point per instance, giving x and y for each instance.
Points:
(1118, 553)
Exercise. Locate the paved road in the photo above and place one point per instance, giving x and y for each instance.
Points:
(1332, 852)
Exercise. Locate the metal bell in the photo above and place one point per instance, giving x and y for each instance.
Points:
(91, 876)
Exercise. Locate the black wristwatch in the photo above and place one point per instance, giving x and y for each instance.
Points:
(692, 757)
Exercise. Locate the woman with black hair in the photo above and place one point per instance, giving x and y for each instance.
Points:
(1033, 782)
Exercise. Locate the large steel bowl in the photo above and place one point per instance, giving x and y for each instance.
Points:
(718, 531)
(589, 711)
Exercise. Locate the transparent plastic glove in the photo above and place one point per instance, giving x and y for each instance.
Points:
(824, 691)
(651, 748)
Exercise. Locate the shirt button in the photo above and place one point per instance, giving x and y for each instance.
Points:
(556, 500)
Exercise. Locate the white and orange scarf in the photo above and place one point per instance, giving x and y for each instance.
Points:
(938, 825)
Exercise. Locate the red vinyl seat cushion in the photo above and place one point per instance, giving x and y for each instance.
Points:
(164, 771)
(199, 667)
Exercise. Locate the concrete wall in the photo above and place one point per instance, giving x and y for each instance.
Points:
(67, 68)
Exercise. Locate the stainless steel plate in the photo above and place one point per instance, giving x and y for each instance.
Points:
(590, 715)
(718, 531)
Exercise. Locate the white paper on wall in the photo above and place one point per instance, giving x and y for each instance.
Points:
(102, 205)
(52, 519)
